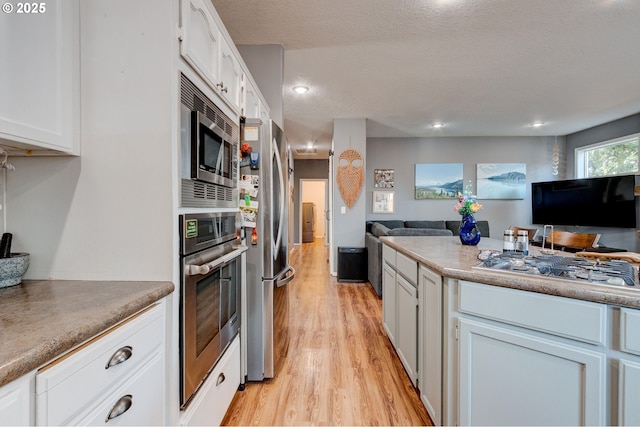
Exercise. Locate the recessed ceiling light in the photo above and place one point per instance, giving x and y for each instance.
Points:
(301, 89)
(437, 125)
(537, 124)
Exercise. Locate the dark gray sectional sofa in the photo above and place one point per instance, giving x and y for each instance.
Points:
(375, 229)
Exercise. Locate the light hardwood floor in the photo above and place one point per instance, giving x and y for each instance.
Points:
(341, 368)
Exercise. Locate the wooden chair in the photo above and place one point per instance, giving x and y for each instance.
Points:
(533, 232)
(566, 239)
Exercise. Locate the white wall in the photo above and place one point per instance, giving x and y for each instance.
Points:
(109, 214)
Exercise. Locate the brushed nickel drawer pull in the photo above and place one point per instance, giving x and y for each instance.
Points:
(121, 355)
(220, 379)
(122, 405)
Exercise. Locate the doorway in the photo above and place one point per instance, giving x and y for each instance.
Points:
(313, 193)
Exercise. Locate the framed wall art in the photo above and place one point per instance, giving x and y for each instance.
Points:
(438, 180)
(501, 180)
(383, 178)
(382, 202)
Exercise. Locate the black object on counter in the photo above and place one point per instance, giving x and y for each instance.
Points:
(5, 245)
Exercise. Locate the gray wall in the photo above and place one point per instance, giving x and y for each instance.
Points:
(306, 169)
(623, 238)
(348, 227)
(604, 132)
(401, 154)
(266, 64)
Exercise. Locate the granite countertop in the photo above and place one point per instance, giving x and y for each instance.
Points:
(448, 257)
(41, 319)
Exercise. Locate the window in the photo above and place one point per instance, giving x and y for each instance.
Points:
(614, 157)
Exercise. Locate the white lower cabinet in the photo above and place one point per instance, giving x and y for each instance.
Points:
(211, 402)
(628, 391)
(136, 402)
(513, 378)
(119, 374)
(628, 333)
(16, 402)
(407, 337)
(525, 357)
(400, 307)
(430, 343)
(389, 301)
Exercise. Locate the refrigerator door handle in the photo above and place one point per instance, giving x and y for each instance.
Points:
(275, 152)
(285, 277)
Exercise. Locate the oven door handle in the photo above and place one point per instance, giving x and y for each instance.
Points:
(195, 270)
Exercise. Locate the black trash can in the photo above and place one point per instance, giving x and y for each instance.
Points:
(352, 264)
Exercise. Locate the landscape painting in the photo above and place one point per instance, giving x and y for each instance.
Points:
(501, 180)
(438, 180)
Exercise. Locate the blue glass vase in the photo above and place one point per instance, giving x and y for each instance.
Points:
(469, 231)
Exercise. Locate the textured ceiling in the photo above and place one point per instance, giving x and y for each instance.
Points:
(482, 67)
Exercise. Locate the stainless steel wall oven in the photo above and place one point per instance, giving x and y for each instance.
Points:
(209, 294)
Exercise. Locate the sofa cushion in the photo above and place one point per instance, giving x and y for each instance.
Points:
(378, 229)
(419, 232)
(391, 223)
(439, 225)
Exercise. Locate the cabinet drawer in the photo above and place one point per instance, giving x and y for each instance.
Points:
(389, 255)
(144, 391)
(408, 268)
(565, 317)
(630, 330)
(73, 382)
(211, 402)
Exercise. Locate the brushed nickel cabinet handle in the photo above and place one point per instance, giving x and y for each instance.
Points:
(220, 379)
(122, 405)
(121, 355)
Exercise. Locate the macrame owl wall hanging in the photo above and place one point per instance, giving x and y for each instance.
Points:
(350, 175)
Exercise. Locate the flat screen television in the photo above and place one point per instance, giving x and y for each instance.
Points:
(599, 202)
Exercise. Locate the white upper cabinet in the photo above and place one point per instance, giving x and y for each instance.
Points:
(204, 47)
(231, 77)
(251, 101)
(39, 78)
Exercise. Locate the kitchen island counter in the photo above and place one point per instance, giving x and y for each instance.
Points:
(42, 319)
(448, 257)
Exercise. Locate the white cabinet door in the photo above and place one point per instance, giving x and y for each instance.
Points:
(629, 388)
(407, 327)
(512, 378)
(16, 401)
(231, 77)
(430, 343)
(201, 40)
(251, 108)
(39, 78)
(389, 301)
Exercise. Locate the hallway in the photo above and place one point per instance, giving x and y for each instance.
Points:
(341, 368)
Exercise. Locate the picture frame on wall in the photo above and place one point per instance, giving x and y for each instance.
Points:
(383, 178)
(438, 180)
(382, 202)
(501, 181)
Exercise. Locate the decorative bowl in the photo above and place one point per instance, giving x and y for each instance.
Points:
(13, 268)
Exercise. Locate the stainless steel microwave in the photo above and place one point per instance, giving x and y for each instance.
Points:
(214, 153)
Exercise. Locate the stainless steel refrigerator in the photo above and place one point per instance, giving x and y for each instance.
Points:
(264, 202)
